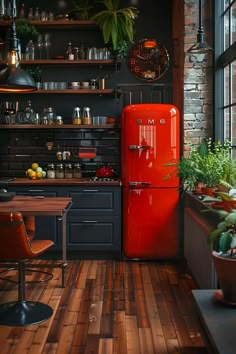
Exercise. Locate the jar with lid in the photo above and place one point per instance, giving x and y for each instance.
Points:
(77, 173)
(60, 171)
(51, 171)
(50, 115)
(76, 118)
(86, 119)
(59, 120)
(93, 84)
(68, 170)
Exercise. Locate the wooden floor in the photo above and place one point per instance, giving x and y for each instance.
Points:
(109, 307)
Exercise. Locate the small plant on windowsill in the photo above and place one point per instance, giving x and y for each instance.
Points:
(210, 163)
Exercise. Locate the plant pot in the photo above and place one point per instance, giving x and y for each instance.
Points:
(209, 191)
(226, 276)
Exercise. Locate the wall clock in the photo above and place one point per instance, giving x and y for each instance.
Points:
(148, 59)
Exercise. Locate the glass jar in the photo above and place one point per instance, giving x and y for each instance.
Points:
(77, 173)
(60, 171)
(86, 119)
(51, 116)
(51, 171)
(68, 170)
(59, 120)
(76, 118)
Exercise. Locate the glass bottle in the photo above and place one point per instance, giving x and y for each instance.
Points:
(68, 170)
(22, 11)
(51, 171)
(37, 14)
(29, 50)
(60, 171)
(39, 47)
(82, 54)
(69, 52)
(77, 173)
(47, 45)
(29, 113)
(30, 14)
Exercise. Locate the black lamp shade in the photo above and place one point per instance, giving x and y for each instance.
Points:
(14, 79)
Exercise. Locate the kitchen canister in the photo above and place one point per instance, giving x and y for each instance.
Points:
(86, 119)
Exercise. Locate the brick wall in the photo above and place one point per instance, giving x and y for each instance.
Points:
(197, 78)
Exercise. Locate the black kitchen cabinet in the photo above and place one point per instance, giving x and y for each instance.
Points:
(93, 222)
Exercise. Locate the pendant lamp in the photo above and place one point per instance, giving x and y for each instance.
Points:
(13, 78)
(201, 46)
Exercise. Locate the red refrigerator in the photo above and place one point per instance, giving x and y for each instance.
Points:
(150, 138)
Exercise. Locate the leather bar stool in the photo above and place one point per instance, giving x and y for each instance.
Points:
(16, 246)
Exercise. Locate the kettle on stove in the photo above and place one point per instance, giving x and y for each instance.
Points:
(104, 171)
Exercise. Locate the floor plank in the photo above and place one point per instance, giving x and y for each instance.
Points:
(109, 307)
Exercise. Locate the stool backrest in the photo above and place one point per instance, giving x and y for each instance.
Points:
(14, 243)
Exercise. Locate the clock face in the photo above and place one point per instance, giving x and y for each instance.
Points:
(148, 59)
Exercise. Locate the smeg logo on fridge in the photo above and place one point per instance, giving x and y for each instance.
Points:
(152, 121)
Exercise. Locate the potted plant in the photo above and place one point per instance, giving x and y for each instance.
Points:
(81, 10)
(117, 24)
(25, 32)
(210, 163)
(223, 240)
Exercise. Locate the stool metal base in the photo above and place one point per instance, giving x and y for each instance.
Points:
(24, 313)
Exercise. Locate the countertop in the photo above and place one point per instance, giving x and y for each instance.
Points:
(60, 182)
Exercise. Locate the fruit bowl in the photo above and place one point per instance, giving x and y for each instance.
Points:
(6, 196)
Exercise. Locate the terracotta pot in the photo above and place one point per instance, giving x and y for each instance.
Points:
(226, 276)
(209, 191)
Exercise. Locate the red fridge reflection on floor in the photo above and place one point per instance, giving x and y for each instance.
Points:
(150, 139)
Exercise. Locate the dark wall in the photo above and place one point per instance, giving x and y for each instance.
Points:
(154, 21)
(21, 147)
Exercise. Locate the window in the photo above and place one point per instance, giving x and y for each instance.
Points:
(225, 70)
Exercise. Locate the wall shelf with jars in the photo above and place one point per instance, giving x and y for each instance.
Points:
(52, 126)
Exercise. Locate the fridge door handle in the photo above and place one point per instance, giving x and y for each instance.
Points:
(139, 184)
(138, 147)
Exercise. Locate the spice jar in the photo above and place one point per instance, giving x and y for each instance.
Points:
(87, 119)
(51, 171)
(59, 120)
(68, 170)
(76, 118)
(60, 171)
(77, 173)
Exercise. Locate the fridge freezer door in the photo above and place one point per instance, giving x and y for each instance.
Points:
(151, 223)
(150, 139)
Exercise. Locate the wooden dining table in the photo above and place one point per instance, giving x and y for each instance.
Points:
(42, 206)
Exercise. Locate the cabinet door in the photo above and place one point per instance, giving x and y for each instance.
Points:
(93, 233)
(46, 227)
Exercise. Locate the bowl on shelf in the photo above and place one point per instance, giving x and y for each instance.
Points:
(6, 196)
(84, 84)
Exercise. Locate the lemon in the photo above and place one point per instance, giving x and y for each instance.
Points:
(33, 174)
(39, 174)
(34, 166)
(28, 172)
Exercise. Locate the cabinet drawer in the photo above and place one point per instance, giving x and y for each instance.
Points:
(93, 233)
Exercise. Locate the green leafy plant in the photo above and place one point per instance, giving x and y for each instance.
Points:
(209, 163)
(81, 7)
(25, 32)
(223, 237)
(117, 24)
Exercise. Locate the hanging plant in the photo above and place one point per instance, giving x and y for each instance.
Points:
(117, 24)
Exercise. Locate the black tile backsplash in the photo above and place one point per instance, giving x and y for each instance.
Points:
(21, 147)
